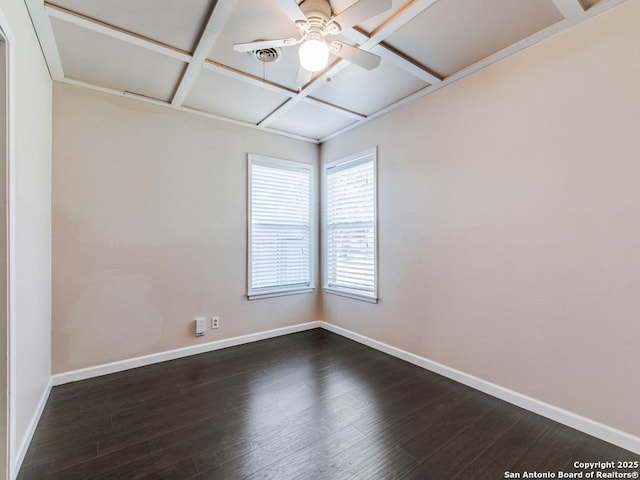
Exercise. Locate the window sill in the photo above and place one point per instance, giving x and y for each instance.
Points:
(279, 293)
(351, 294)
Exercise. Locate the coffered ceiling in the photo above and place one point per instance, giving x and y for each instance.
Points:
(179, 54)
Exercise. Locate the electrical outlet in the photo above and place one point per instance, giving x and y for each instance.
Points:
(201, 326)
(215, 322)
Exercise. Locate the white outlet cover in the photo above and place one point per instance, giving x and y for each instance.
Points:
(201, 326)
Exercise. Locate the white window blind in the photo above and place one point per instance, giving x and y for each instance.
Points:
(279, 227)
(350, 226)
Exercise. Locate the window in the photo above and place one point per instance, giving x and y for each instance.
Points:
(350, 227)
(279, 227)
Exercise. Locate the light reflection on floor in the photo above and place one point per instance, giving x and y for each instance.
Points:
(327, 403)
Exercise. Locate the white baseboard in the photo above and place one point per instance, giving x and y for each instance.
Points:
(586, 425)
(33, 424)
(119, 366)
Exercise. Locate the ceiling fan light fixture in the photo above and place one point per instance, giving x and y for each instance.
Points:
(314, 55)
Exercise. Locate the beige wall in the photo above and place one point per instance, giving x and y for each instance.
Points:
(32, 209)
(509, 230)
(149, 229)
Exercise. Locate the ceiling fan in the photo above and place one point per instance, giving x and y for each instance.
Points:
(315, 22)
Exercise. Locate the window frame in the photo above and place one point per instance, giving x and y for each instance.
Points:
(269, 292)
(343, 163)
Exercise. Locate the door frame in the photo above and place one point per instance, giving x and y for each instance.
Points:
(8, 318)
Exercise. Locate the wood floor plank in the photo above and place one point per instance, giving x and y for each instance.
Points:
(446, 425)
(263, 448)
(421, 405)
(551, 451)
(311, 405)
(103, 464)
(180, 471)
(451, 458)
(310, 459)
(46, 461)
(390, 464)
(184, 415)
(149, 467)
(507, 450)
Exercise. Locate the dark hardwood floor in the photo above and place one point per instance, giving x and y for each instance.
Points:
(312, 405)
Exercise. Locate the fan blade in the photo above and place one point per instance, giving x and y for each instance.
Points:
(292, 10)
(260, 44)
(355, 55)
(359, 12)
(303, 77)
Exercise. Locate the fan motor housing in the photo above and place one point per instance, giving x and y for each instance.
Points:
(316, 9)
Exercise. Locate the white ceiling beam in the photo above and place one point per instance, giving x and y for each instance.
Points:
(240, 123)
(401, 18)
(274, 88)
(569, 8)
(397, 58)
(335, 109)
(47, 40)
(485, 62)
(117, 33)
(305, 92)
(408, 65)
(246, 78)
(220, 14)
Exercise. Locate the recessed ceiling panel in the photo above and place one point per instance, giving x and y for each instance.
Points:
(311, 121)
(372, 23)
(365, 91)
(231, 98)
(106, 62)
(453, 34)
(175, 23)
